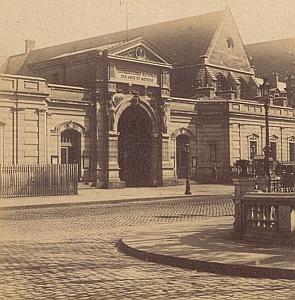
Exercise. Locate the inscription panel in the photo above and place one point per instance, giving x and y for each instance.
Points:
(122, 74)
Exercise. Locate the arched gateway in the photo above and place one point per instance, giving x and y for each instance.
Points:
(138, 153)
(135, 147)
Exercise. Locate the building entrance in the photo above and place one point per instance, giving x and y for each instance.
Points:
(181, 156)
(135, 147)
(71, 148)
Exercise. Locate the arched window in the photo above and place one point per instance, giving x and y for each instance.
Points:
(230, 43)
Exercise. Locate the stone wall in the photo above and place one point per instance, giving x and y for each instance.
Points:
(31, 114)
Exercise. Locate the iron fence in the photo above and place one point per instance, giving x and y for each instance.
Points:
(38, 180)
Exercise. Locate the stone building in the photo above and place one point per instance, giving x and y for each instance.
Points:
(123, 107)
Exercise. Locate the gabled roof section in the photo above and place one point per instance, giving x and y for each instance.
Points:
(257, 81)
(226, 48)
(13, 64)
(183, 40)
(137, 49)
(273, 56)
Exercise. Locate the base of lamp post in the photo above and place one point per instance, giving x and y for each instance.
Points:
(187, 187)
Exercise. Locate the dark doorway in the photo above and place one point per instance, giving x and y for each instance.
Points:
(135, 145)
(181, 157)
(71, 148)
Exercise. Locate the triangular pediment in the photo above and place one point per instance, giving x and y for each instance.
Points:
(226, 48)
(253, 137)
(140, 50)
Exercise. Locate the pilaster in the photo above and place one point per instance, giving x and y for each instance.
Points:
(42, 136)
(168, 177)
(113, 181)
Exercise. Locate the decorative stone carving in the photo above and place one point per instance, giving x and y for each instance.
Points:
(111, 113)
(70, 125)
(117, 98)
(135, 100)
(165, 115)
(140, 52)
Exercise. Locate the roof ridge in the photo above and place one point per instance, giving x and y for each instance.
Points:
(271, 41)
(137, 28)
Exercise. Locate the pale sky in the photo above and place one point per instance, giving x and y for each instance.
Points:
(51, 22)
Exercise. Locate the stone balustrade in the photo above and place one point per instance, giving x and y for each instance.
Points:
(268, 217)
(263, 217)
(255, 108)
(38, 87)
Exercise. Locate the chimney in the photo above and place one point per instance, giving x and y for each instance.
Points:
(274, 79)
(29, 45)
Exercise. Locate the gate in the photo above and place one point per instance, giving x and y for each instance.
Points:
(38, 180)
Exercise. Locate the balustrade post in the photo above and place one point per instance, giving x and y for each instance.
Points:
(242, 186)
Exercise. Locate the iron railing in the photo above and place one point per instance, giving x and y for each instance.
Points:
(38, 180)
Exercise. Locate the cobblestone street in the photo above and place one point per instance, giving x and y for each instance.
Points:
(69, 253)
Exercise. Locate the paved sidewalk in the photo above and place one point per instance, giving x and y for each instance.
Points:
(93, 195)
(207, 245)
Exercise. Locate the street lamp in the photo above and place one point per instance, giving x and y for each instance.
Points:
(187, 182)
(265, 93)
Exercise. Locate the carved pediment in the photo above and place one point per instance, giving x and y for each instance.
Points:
(139, 49)
(273, 138)
(141, 53)
(253, 137)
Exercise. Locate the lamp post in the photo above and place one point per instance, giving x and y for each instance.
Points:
(265, 89)
(187, 182)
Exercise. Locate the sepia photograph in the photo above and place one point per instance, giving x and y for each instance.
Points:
(147, 149)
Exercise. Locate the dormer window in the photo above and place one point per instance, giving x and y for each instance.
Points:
(230, 43)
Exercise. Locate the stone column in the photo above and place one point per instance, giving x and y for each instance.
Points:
(114, 181)
(242, 186)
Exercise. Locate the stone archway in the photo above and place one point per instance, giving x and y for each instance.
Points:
(181, 156)
(138, 142)
(71, 144)
(181, 137)
(135, 147)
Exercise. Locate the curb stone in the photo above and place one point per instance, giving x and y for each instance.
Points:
(206, 266)
(104, 202)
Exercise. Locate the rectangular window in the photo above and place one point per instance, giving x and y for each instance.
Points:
(273, 148)
(213, 152)
(166, 79)
(253, 149)
(292, 151)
